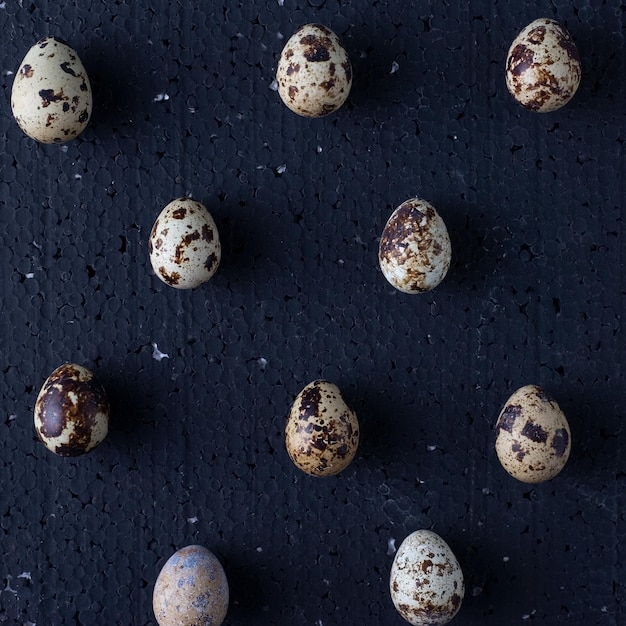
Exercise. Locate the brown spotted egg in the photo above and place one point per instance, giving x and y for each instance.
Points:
(51, 96)
(71, 411)
(314, 74)
(191, 589)
(533, 439)
(322, 433)
(184, 245)
(426, 582)
(543, 66)
(415, 251)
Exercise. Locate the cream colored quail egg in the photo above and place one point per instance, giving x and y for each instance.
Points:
(51, 97)
(533, 439)
(543, 66)
(314, 74)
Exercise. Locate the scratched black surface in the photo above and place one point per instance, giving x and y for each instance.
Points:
(184, 105)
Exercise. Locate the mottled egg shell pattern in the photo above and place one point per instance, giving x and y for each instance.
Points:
(543, 66)
(415, 251)
(533, 439)
(191, 589)
(71, 411)
(426, 581)
(322, 433)
(314, 74)
(51, 97)
(184, 245)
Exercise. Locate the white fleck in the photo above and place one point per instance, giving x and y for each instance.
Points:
(192, 520)
(274, 85)
(394, 68)
(505, 559)
(340, 262)
(30, 624)
(191, 109)
(77, 176)
(7, 73)
(12, 417)
(262, 363)
(431, 448)
(63, 149)
(160, 97)
(279, 35)
(281, 169)
(30, 275)
(485, 491)
(157, 355)
(391, 546)
(8, 587)
(529, 615)
(604, 609)
(259, 549)
(3, 5)
(319, 149)
(25, 575)
(476, 591)
(319, 623)
(281, 3)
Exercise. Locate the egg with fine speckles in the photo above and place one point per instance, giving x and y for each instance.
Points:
(71, 411)
(533, 440)
(184, 245)
(426, 581)
(314, 74)
(51, 96)
(415, 251)
(322, 433)
(543, 66)
(191, 589)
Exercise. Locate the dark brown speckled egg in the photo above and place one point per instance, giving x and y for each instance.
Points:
(533, 439)
(71, 411)
(322, 433)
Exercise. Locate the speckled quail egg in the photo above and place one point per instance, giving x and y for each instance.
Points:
(51, 96)
(543, 66)
(322, 433)
(426, 581)
(191, 589)
(185, 249)
(533, 439)
(314, 74)
(415, 252)
(71, 411)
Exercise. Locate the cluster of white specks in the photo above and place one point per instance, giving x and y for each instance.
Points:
(391, 546)
(192, 520)
(157, 355)
(431, 448)
(394, 68)
(160, 97)
(274, 85)
(281, 169)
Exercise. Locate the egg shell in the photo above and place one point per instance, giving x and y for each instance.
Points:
(314, 74)
(191, 589)
(415, 251)
(322, 432)
(533, 440)
(426, 581)
(184, 245)
(51, 97)
(543, 66)
(71, 411)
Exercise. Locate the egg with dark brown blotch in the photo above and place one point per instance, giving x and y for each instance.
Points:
(426, 581)
(51, 96)
(314, 74)
(415, 250)
(184, 245)
(71, 411)
(322, 433)
(543, 66)
(191, 589)
(533, 440)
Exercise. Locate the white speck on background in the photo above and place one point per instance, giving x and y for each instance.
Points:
(281, 169)
(3, 5)
(7, 73)
(274, 85)
(30, 275)
(8, 587)
(391, 546)
(64, 149)
(262, 363)
(160, 97)
(319, 149)
(476, 591)
(279, 35)
(486, 491)
(77, 176)
(394, 68)
(431, 448)
(505, 559)
(157, 355)
(319, 623)
(281, 3)
(259, 549)
(25, 575)
(192, 520)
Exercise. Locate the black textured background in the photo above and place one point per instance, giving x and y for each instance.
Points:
(184, 105)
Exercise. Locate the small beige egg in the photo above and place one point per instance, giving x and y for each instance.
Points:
(314, 74)
(322, 433)
(533, 439)
(426, 581)
(543, 66)
(415, 251)
(184, 245)
(191, 589)
(51, 97)
(71, 411)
